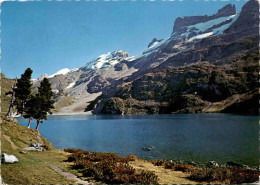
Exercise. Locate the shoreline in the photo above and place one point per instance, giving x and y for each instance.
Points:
(90, 113)
(71, 113)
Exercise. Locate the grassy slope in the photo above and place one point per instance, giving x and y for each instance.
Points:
(63, 101)
(33, 167)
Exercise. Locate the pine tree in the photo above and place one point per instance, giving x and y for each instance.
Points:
(30, 109)
(23, 90)
(42, 102)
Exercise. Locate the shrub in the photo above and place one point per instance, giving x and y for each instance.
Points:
(183, 167)
(168, 165)
(241, 175)
(210, 174)
(229, 175)
(131, 157)
(158, 162)
(124, 173)
(173, 166)
(146, 177)
(109, 167)
(72, 150)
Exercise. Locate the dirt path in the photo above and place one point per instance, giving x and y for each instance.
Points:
(9, 140)
(69, 175)
(165, 176)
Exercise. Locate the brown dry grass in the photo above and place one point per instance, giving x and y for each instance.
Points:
(166, 176)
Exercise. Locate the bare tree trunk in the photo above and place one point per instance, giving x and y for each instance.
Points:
(29, 123)
(38, 124)
(10, 111)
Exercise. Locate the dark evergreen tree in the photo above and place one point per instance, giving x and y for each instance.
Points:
(23, 90)
(42, 102)
(30, 109)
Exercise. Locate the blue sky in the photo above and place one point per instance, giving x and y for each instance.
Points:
(49, 36)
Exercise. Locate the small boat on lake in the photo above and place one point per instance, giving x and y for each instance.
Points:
(148, 148)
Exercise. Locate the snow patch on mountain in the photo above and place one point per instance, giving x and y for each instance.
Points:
(221, 29)
(143, 55)
(132, 58)
(60, 72)
(153, 48)
(73, 70)
(156, 45)
(71, 85)
(107, 60)
(206, 25)
(201, 30)
(206, 29)
(204, 35)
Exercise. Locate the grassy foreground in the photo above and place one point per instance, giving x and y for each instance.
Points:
(33, 166)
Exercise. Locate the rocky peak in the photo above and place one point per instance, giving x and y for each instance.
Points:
(251, 6)
(181, 22)
(40, 78)
(248, 20)
(153, 41)
(107, 60)
(226, 11)
(119, 54)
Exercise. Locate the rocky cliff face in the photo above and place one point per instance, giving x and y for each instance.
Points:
(200, 87)
(192, 64)
(182, 22)
(195, 38)
(75, 88)
(194, 75)
(248, 21)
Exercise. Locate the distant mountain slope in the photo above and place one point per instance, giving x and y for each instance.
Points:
(194, 75)
(212, 42)
(200, 87)
(74, 88)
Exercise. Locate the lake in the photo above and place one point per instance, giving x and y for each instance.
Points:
(196, 137)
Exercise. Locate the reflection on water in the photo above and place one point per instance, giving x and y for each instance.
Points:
(197, 137)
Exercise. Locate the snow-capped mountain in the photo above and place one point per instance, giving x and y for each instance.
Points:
(219, 39)
(192, 28)
(107, 60)
(63, 72)
(60, 72)
(187, 28)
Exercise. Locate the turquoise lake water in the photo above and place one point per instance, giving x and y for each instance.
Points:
(196, 137)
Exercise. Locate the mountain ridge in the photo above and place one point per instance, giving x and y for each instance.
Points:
(217, 40)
